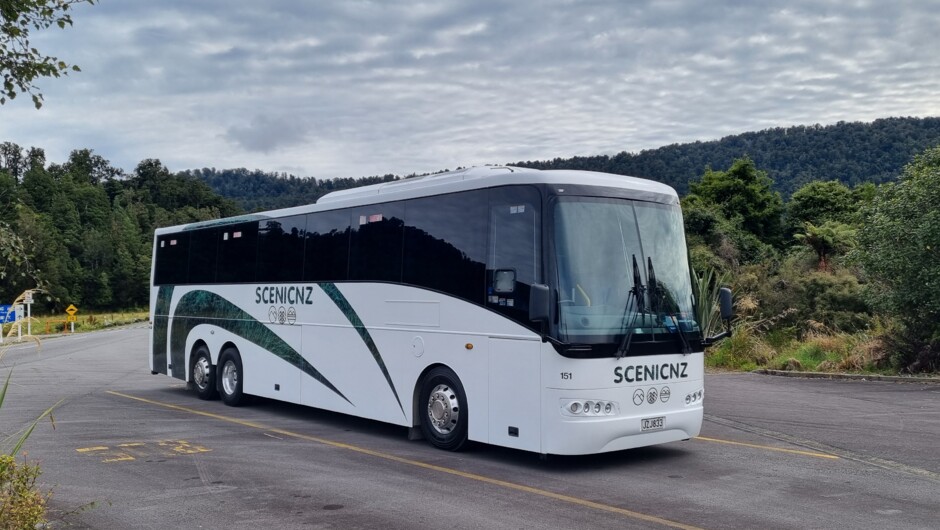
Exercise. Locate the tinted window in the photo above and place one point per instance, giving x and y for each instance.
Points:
(281, 249)
(327, 254)
(515, 249)
(172, 259)
(202, 255)
(445, 244)
(238, 251)
(375, 243)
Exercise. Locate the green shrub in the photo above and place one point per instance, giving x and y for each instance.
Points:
(898, 248)
(22, 505)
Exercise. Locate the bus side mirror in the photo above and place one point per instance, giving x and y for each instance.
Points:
(726, 308)
(725, 304)
(540, 302)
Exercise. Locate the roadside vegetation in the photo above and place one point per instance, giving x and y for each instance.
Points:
(56, 324)
(837, 279)
(832, 277)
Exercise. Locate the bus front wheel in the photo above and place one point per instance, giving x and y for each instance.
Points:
(202, 374)
(231, 377)
(443, 409)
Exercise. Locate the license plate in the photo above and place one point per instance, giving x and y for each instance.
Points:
(652, 424)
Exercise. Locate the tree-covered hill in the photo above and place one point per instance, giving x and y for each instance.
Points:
(259, 190)
(851, 153)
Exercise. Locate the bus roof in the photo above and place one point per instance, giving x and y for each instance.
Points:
(484, 177)
(449, 182)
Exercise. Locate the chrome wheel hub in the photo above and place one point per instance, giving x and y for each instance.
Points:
(443, 409)
(229, 377)
(201, 373)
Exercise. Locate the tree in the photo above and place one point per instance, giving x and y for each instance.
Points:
(743, 192)
(829, 238)
(818, 202)
(17, 271)
(21, 63)
(899, 248)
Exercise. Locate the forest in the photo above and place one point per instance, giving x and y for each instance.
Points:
(851, 153)
(828, 235)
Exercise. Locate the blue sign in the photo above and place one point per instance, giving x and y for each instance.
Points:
(7, 314)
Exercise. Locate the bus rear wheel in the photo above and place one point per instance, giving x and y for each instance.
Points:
(231, 378)
(202, 374)
(443, 409)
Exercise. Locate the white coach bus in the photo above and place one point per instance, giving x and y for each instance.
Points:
(549, 311)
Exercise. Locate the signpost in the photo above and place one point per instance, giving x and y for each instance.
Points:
(19, 323)
(71, 310)
(7, 315)
(28, 300)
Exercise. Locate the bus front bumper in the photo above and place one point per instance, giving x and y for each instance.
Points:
(629, 427)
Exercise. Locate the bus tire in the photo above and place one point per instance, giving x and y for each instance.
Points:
(202, 373)
(443, 409)
(231, 378)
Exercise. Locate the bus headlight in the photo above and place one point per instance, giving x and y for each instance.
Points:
(589, 408)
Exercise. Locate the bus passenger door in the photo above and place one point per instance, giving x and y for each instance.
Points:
(513, 264)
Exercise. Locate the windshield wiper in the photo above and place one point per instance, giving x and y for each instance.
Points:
(656, 307)
(636, 294)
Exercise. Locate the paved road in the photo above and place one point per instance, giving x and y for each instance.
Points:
(131, 450)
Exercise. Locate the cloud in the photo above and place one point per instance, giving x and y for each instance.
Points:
(265, 134)
(423, 85)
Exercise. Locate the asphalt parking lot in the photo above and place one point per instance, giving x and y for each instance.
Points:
(131, 450)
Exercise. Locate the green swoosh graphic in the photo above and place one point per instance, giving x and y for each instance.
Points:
(333, 292)
(203, 307)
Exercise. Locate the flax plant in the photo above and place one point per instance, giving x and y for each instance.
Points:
(705, 288)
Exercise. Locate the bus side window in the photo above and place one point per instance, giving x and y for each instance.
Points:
(238, 249)
(445, 244)
(281, 249)
(172, 258)
(204, 244)
(327, 253)
(514, 251)
(375, 242)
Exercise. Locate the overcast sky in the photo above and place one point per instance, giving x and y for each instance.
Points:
(358, 88)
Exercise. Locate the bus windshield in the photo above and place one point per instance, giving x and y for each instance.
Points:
(623, 274)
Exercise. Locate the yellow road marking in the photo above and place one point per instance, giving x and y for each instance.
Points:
(769, 448)
(89, 449)
(132, 450)
(471, 476)
(184, 447)
(122, 457)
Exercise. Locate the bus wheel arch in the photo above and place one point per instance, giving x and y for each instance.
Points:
(231, 376)
(441, 408)
(201, 372)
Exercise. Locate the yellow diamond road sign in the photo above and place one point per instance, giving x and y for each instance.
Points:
(71, 309)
